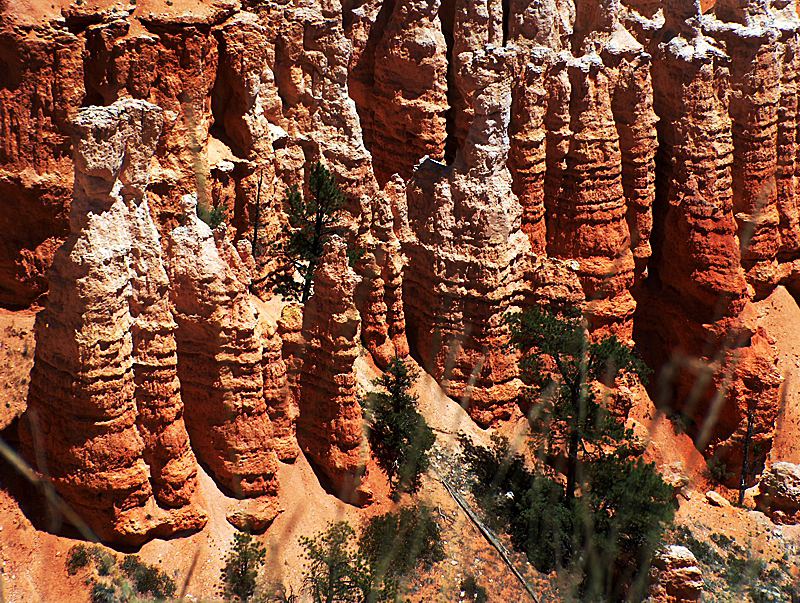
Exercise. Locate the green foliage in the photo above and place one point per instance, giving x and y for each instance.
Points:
(473, 591)
(397, 543)
(717, 471)
(605, 538)
(310, 221)
(241, 567)
(542, 525)
(337, 572)
(559, 364)
(703, 552)
(626, 509)
(103, 560)
(147, 579)
(398, 434)
(213, 217)
(78, 558)
(103, 593)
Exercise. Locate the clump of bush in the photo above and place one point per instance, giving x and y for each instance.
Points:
(473, 591)
(116, 583)
(399, 542)
(213, 216)
(147, 579)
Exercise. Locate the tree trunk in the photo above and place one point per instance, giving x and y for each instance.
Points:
(747, 436)
(572, 463)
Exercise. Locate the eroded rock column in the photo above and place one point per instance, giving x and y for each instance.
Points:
(104, 385)
(468, 256)
(330, 425)
(220, 363)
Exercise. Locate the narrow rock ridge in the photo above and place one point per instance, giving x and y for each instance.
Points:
(104, 397)
(281, 404)
(220, 361)
(329, 428)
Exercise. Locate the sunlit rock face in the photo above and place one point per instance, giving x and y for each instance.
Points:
(105, 416)
(220, 360)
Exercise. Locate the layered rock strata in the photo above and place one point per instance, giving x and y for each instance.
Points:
(379, 296)
(468, 256)
(329, 427)
(717, 100)
(403, 111)
(281, 403)
(110, 430)
(583, 137)
(220, 363)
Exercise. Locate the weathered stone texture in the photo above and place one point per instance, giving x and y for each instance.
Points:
(329, 427)
(104, 389)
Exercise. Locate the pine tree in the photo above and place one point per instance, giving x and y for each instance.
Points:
(559, 363)
(399, 436)
(241, 567)
(337, 572)
(310, 221)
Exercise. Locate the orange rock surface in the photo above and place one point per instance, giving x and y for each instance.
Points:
(220, 361)
(329, 427)
(105, 416)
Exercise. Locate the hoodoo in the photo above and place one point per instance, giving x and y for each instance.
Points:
(105, 417)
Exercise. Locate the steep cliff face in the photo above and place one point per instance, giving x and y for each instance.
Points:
(469, 258)
(716, 209)
(220, 361)
(583, 144)
(40, 82)
(329, 428)
(401, 91)
(104, 388)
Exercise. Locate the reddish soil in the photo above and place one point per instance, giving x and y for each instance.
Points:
(16, 360)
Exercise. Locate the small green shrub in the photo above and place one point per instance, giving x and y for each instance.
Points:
(399, 437)
(78, 559)
(742, 571)
(103, 560)
(241, 567)
(704, 552)
(473, 591)
(717, 471)
(337, 572)
(103, 593)
(402, 541)
(213, 217)
(680, 422)
(147, 579)
(721, 540)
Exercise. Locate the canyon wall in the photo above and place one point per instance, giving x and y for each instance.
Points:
(637, 157)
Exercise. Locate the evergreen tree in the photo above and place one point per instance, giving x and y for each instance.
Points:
(560, 364)
(241, 567)
(337, 572)
(399, 436)
(606, 535)
(310, 221)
